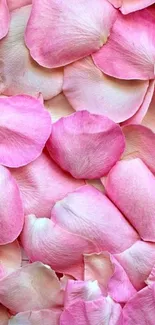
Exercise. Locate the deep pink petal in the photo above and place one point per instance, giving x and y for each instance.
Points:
(58, 107)
(67, 31)
(20, 74)
(45, 316)
(138, 261)
(32, 287)
(4, 316)
(11, 210)
(14, 4)
(10, 258)
(4, 18)
(89, 213)
(42, 183)
(127, 6)
(86, 145)
(86, 87)
(130, 50)
(131, 186)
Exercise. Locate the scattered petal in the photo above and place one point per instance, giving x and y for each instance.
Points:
(128, 6)
(151, 277)
(4, 18)
(149, 118)
(45, 316)
(10, 258)
(58, 107)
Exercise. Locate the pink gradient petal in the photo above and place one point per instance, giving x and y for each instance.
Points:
(4, 18)
(97, 312)
(110, 274)
(10, 258)
(140, 309)
(14, 4)
(58, 107)
(131, 187)
(4, 316)
(86, 145)
(45, 241)
(41, 184)
(24, 129)
(67, 31)
(11, 210)
(130, 50)
(128, 6)
(20, 74)
(140, 143)
(86, 87)
(149, 118)
(32, 287)
(45, 316)
(89, 213)
(138, 261)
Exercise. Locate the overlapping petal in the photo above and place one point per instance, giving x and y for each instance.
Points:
(14, 4)
(41, 184)
(149, 118)
(130, 50)
(4, 18)
(58, 107)
(45, 316)
(131, 186)
(10, 258)
(86, 87)
(67, 30)
(127, 6)
(86, 145)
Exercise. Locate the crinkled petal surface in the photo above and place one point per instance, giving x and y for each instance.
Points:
(130, 50)
(67, 30)
(86, 87)
(58, 107)
(4, 317)
(4, 18)
(10, 258)
(32, 287)
(11, 210)
(44, 240)
(24, 129)
(131, 186)
(138, 261)
(89, 213)
(14, 4)
(127, 6)
(86, 145)
(140, 309)
(20, 74)
(45, 316)
(41, 184)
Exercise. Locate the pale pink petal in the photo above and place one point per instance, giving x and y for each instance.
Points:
(67, 31)
(128, 6)
(4, 316)
(151, 277)
(89, 213)
(140, 310)
(32, 287)
(86, 87)
(86, 145)
(97, 312)
(10, 258)
(41, 184)
(131, 187)
(111, 276)
(149, 118)
(20, 74)
(140, 143)
(43, 240)
(14, 4)
(138, 261)
(58, 107)
(45, 316)
(130, 50)
(11, 210)
(4, 18)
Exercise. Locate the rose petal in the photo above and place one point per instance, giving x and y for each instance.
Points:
(138, 261)
(86, 87)
(14, 4)
(11, 210)
(151, 277)
(20, 74)
(45, 316)
(4, 18)
(86, 145)
(89, 213)
(127, 6)
(41, 184)
(45, 241)
(129, 52)
(131, 186)
(4, 316)
(149, 118)
(81, 28)
(58, 107)
(10, 258)
(32, 287)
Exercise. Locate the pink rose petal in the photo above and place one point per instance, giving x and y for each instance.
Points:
(32, 287)
(86, 145)
(58, 107)
(4, 18)
(23, 120)
(10, 258)
(86, 87)
(67, 30)
(14, 4)
(4, 316)
(45, 316)
(127, 6)
(89, 213)
(20, 73)
(11, 210)
(149, 118)
(151, 277)
(131, 186)
(41, 184)
(130, 50)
